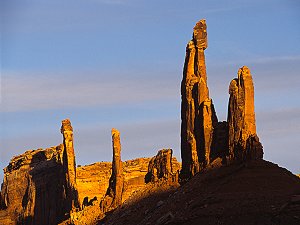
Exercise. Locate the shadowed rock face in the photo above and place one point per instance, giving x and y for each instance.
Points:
(243, 141)
(33, 188)
(113, 197)
(69, 165)
(198, 116)
(163, 167)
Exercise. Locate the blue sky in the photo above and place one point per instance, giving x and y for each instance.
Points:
(118, 63)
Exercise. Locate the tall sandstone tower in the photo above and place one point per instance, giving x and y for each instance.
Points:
(203, 138)
(243, 141)
(197, 110)
(69, 165)
(113, 196)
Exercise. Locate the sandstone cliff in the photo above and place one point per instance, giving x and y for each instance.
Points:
(33, 188)
(39, 186)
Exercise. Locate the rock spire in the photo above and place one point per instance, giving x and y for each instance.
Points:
(69, 165)
(243, 141)
(113, 197)
(197, 111)
(203, 138)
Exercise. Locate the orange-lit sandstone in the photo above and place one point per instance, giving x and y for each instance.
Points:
(203, 138)
(44, 187)
(113, 196)
(39, 186)
(69, 165)
(243, 141)
(163, 167)
(197, 111)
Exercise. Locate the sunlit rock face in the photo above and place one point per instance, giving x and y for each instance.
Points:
(113, 197)
(243, 141)
(35, 186)
(69, 165)
(198, 116)
(39, 186)
(197, 111)
(163, 167)
(203, 138)
(93, 180)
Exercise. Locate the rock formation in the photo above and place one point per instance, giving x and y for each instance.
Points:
(44, 186)
(243, 141)
(198, 116)
(161, 167)
(203, 138)
(33, 188)
(93, 180)
(39, 186)
(69, 165)
(113, 197)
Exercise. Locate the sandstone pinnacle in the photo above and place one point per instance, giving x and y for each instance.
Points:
(197, 111)
(69, 164)
(243, 141)
(203, 138)
(113, 197)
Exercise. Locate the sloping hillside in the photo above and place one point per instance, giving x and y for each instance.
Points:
(257, 192)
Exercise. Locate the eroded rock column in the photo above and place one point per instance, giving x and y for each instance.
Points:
(197, 111)
(243, 141)
(69, 165)
(113, 197)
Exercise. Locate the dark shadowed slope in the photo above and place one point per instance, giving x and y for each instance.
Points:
(258, 192)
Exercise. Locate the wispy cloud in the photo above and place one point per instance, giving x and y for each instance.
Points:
(265, 59)
(27, 93)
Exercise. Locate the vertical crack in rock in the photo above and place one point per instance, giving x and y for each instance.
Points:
(243, 141)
